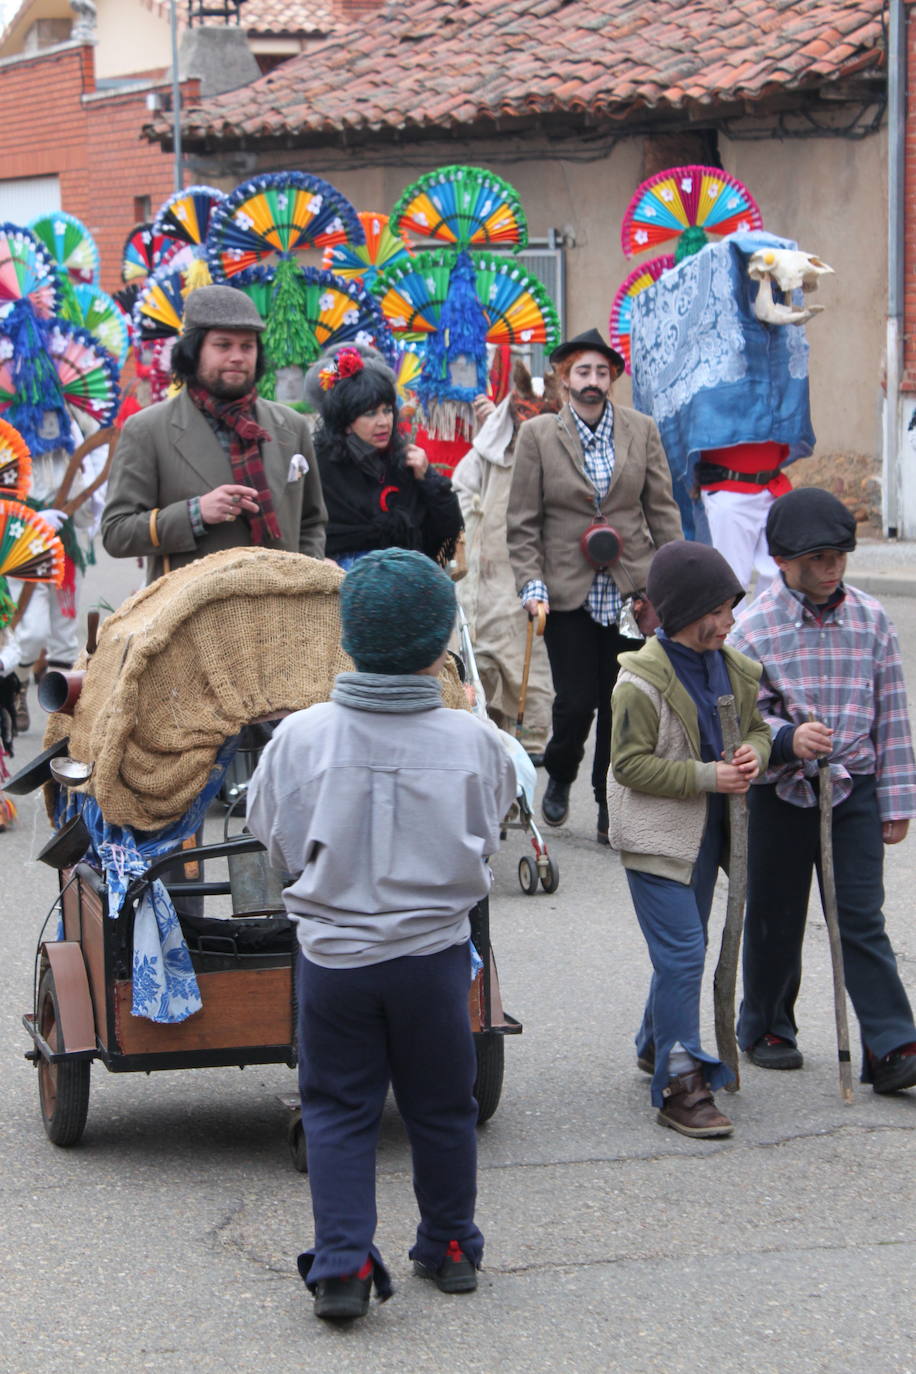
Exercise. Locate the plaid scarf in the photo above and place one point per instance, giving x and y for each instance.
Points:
(246, 437)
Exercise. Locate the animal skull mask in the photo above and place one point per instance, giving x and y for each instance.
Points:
(790, 270)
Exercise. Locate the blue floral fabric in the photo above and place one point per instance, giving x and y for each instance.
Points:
(165, 987)
(709, 372)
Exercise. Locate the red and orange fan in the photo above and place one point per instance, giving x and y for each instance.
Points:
(29, 551)
(15, 464)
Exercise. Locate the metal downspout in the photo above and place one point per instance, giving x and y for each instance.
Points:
(895, 521)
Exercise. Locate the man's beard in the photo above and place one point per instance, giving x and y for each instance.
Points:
(226, 391)
(588, 396)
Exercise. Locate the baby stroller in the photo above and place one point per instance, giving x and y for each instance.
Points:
(541, 870)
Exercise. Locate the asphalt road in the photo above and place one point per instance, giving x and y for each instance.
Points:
(167, 1239)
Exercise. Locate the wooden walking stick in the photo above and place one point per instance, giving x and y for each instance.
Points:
(726, 975)
(540, 619)
(832, 920)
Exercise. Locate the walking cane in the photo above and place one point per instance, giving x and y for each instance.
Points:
(832, 920)
(726, 975)
(541, 618)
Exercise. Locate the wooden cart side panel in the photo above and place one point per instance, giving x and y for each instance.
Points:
(240, 1007)
(477, 1002)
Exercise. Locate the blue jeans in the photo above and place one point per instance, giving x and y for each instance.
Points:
(673, 917)
(403, 1022)
(783, 852)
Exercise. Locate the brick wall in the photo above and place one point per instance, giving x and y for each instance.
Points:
(54, 122)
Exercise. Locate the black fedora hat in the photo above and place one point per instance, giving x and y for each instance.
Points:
(593, 341)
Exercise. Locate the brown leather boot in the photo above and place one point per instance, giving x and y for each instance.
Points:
(690, 1107)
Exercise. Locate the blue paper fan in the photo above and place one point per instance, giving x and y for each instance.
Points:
(27, 272)
(159, 310)
(278, 214)
(187, 214)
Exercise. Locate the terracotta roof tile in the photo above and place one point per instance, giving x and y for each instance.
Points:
(417, 65)
(272, 16)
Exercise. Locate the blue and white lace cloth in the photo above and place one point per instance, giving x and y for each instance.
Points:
(709, 372)
(165, 987)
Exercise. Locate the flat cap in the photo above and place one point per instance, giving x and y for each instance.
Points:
(807, 520)
(221, 307)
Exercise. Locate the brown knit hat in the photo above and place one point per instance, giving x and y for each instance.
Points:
(688, 580)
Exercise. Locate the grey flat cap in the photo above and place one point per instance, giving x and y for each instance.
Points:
(221, 307)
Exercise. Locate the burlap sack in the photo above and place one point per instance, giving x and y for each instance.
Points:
(186, 662)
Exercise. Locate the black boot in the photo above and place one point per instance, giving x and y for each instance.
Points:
(555, 805)
(602, 829)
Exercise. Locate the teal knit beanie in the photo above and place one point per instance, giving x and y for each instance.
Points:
(397, 611)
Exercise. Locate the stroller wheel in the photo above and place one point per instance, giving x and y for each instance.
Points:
(528, 876)
(550, 879)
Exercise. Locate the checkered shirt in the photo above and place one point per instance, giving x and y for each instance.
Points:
(843, 665)
(604, 600)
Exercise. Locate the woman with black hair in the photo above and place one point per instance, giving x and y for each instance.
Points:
(215, 467)
(380, 490)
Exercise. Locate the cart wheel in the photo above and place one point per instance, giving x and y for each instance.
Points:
(527, 875)
(63, 1089)
(550, 880)
(298, 1150)
(489, 1084)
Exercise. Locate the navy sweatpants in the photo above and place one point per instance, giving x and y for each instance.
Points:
(403, 1022)
(783, 852)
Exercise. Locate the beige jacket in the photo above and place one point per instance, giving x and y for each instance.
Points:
(496, 618)
(168, 453)
(552, 502)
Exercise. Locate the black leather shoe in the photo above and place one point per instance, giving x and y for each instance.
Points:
(537, 758)
(601, 834)
(895, 1071)
(342, 1299)
(775, 1052)
(555, 805)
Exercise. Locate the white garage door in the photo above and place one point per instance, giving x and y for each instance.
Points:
(26, 198)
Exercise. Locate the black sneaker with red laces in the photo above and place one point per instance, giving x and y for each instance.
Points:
(775, 1052)
(456, 1273)
(895, 1071)
(346, 1297)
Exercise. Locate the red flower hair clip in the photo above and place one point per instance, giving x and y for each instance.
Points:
(345, 363)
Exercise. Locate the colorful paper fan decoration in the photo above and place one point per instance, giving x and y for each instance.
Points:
(694, 200)
(159, 310)
(187, 214)
(362, 262)
(185, 218)
(516, 307)
(143, 249)
(29, 548)
(70, 244)
(409, 369)
(99, 313)
(278, 214)
(467, 207)
(86, 373)
(622, 308)
(26, 272)
(307, 310)
(15, 463)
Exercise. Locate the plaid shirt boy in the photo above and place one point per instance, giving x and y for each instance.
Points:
(842, 664)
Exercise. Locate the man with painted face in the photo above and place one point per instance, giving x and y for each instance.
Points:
(215, 467)
(592, 461)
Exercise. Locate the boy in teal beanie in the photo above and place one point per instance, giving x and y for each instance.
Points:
(384, 805)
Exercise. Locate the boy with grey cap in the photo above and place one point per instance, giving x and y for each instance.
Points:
(383, 805)
(832, 686)
(215, 467)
